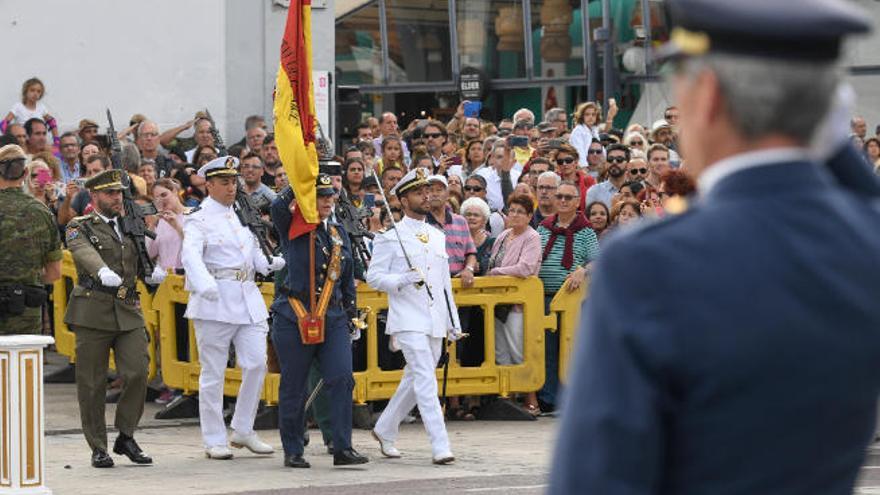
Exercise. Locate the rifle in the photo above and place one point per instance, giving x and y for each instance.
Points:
(351, 218)
(248, 213)
(132, 223)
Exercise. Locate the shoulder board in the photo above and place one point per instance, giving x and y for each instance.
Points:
(190, 211)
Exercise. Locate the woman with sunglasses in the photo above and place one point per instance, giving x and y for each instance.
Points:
(475, 186)
(636, 142)
(517, 253)
(566, 161)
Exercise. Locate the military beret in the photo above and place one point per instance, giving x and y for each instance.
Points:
(12, 152)
(108, 180)
(324, 185)
(224, 166)
(798, 29)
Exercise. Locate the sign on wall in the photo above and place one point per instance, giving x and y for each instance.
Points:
(321, 85)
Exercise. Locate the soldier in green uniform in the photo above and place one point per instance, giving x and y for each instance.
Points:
(104, 312)
(30, 249)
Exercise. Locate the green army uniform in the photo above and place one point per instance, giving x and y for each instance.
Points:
(29, 241)
(103, 318)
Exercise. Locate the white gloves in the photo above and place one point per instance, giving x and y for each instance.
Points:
(454, 334)
(109, 278)
(411, 277)
(277, 263)
(157, 277)
(210, 294)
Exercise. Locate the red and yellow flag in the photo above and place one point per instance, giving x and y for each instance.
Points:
(295, 114)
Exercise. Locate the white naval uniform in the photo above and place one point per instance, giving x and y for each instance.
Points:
(214, 239)
(418, 333)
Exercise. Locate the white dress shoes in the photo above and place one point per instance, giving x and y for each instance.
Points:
(252, 442)
(444, 458)
(218, 452)
(386, 447)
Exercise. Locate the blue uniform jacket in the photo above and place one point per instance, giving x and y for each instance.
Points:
(734, 349)
(296, 254)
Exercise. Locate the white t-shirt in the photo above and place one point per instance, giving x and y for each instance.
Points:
(23, 114)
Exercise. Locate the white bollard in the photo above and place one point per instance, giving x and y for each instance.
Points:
(22, 442)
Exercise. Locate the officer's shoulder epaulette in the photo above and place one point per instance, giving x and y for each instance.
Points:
(190, 211)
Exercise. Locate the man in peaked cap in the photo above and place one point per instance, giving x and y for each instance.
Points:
(749, 364)
(410, 264)
(220, 256)
(326, 298)
(104, 312)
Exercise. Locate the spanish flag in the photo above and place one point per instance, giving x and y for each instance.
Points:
(295, 114)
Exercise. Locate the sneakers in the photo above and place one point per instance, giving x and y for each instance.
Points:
(252, 442)
(386, 447)
(218, 452)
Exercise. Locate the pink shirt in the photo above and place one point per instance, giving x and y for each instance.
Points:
(165, 248)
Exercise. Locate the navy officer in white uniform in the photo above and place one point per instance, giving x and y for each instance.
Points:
(749, 363)
(417, 320)
(220, 256)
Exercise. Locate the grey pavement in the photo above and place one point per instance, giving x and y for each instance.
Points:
(491, 457)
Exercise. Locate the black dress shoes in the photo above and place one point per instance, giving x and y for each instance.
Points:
(101, 459)
(348, 457)
(296, 461)
(125, 445)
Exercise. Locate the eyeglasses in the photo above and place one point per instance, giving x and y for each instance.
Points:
(636, 171)
(617, 159)
(594, 152)
(473, 188)
(565, 161)
(565, 197)
(432, 135)
(636, 143)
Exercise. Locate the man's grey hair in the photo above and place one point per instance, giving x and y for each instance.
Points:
(553, 114)
(141, 125)
(524, 114)
(552, 175)
(478, 203)
(772, 96)
(130, 157)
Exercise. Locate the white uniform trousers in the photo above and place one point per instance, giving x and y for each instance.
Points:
(509, 339)
(213, 339)
(417, 388)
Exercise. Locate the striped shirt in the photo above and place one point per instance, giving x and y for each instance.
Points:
(459, 244)
(552, 274)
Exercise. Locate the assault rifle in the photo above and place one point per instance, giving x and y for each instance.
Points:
(248, 213)
(132, 223)
(352, 220)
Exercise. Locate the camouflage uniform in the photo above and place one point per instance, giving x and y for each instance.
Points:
(29, 240)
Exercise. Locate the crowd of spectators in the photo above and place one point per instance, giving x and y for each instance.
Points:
(518, 196)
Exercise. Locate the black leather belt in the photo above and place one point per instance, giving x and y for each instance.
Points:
(126, 294)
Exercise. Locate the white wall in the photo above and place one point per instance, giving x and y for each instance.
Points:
(163, 58)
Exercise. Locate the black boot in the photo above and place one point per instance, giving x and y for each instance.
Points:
(296, 461)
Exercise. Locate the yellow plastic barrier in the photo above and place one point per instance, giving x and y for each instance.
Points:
(375, 383)
(65, 340)
(567, 305)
